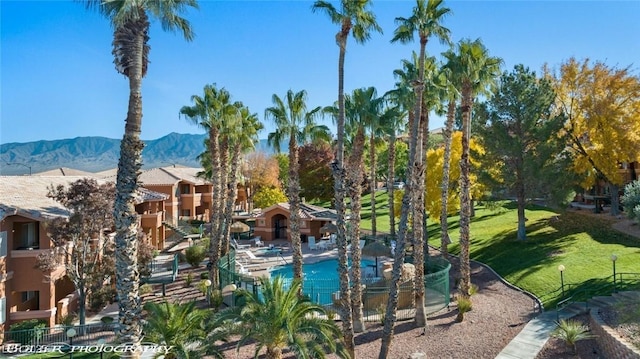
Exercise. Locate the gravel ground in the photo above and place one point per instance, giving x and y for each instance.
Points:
(499, 313)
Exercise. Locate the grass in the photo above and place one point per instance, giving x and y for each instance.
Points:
(583, 244)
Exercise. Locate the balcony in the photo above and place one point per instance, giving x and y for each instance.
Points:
(27, 252)
(33, 314)
(151, 220)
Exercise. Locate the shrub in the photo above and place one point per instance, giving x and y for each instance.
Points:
(204, 275)
(473, 289)
(67, 320)
(195, 255)
(464, 305)
(100, 298)
(29, 332)
(145, 289)
(106, 320)
(188, 280)
(631, 200)
(571, 332)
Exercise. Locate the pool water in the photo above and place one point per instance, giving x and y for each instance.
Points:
(320, 279)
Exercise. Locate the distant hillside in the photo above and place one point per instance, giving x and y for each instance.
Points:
(94, 154)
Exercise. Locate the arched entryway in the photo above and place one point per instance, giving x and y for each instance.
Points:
(279, 225)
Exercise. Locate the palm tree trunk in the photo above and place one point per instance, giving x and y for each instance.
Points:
(354, 179)
(465, 202)
(372, 157)
(233, 182)
(391, 180)
(339, 188)
(214, 241)
(294, 207)
(274, 353)
(420, 224)
(444, 215)
(224, 218)
(408, 197)
(126, 218)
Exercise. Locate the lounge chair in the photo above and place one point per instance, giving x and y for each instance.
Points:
(312, 243)
(240, 246)
(252, 257)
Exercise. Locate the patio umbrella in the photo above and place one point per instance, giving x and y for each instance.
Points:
(376, 249)
(239, 227)
(329, 228)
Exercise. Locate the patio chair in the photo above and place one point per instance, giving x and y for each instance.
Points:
(312, 243)
(257, 241)
(240, 246)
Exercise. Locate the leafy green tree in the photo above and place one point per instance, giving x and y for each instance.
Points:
(602, 107)
(425, 20)
(521, 135)
(283, 165)
(279, 318)
(315, 171)
(354, 18)
(130, 21)
(631, 200)
(295, 123)
(478, 71)
(184, 327)
(268, 196)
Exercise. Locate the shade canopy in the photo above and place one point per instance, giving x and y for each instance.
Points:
(329, 228)
(376, 249)
(239, 227)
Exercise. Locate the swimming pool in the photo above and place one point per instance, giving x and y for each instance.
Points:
(320, 279)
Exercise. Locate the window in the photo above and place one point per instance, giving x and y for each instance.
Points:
(185, 189)
(3, 310)
(3, 244)
(27, 296)
(29, 235)
(186, 213)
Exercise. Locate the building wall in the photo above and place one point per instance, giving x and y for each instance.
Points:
(172, 204)
(264, 225)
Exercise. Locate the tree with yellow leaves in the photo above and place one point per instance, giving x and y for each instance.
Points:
(602, 106)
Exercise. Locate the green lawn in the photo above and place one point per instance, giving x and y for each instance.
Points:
(583, 244)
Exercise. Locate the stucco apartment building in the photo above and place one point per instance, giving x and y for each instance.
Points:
(27, 292)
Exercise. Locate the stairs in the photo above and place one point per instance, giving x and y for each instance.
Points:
(176, 229)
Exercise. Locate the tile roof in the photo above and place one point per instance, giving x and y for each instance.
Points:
(28, 195)
(65, 171)
(307, 211)
(171, 175)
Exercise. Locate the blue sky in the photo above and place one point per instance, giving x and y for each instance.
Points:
(58, 80)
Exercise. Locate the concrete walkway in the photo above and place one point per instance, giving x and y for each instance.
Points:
(532, 338)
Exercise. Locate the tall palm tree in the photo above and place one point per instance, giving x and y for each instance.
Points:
(353, 17)
(210, 112)
(426, 21)
(183, 327)
(279, 318)
(295, 123)
(451, 70)
(478, 72)
(130, 21)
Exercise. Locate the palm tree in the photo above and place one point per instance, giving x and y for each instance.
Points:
(210, 112)
(478, 71)
(352, 17)
(130, 20)
(426, 21)
(294, 122)
(181, 326)
(279, 318)
(243, 134)
(451, 70)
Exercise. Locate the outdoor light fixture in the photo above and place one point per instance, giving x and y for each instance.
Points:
(561, 269)
(207, 284)
(71, 333)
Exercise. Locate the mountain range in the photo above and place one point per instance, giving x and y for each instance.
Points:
(94, 154)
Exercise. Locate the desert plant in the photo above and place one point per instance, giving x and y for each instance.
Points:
(464, 305)
(195, 255)
(571, 331)
(381, 311)
(188, 280)
(473, 289)
(145, 289)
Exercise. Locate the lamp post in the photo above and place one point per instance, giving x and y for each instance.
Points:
(208, 283)
(614, 258)
(20, 164)
(71, 333)
(561, 269)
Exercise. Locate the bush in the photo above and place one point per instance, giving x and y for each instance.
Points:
(204, 275)
(29, 332)
(464, 305)
(67, 320)
(145, 289)
(631, 200)
(571, 332)
(106, 320)
(188, 280)
(195, 255)
(100, 298)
